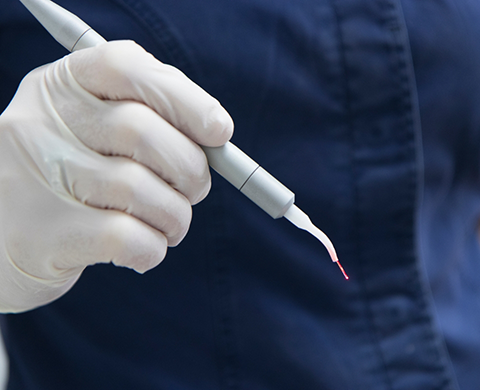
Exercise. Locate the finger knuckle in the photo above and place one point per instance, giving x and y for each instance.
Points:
(136, 246)
(195, 175)
(218, 125)
(125, 119)
(179, 218)
(130, 178)
(121, 58)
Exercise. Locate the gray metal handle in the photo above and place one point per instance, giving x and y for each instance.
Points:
(250, 178)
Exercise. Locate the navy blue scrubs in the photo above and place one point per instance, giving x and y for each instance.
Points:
(369, 110)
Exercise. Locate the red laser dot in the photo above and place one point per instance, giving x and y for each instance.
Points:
(341, 269)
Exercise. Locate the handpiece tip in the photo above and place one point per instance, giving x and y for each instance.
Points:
(302, 221)
(341, 269)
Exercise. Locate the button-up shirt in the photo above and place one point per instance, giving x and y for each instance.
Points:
(369, 110)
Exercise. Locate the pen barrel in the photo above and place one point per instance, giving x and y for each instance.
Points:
(251, 179)
(231, 163)
(64, 26)
(89, 38)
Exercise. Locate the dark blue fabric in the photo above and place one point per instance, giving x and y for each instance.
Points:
(369, 111)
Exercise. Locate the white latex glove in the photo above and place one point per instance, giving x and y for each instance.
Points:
(99, 163)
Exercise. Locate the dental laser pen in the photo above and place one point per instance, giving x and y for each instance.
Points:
(228, 160)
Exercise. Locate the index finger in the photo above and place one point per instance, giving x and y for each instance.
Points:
(123, 70)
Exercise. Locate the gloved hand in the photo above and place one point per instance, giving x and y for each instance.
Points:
(99, 163)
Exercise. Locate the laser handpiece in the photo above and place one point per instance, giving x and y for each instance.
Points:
(228, 160)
